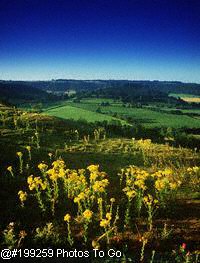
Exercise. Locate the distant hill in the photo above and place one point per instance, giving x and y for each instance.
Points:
(19, 91)
(12, 92)
(66, 84)
(163, 86)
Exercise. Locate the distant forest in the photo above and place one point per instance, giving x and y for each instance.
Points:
(128, 91)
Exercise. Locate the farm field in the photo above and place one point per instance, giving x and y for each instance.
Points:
(183, 95)
(192, 100)
(144, 116)
(190, 110)
(59, 188)
(197, 111)
(187, 97)
(77, 113)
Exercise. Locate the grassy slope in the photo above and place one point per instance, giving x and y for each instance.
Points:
(87, 110)
(71, 112)
(143, 116)
(157, 119)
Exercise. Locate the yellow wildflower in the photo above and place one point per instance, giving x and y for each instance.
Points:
(93, 168)
(131, 194)
(28, 148)
(19, 154)
(140, 184)
(42, 166)
(67, 217)
(99, 186)
(173, 186)
(43, 185)
(112, 200)
(160, 184)
(81, 196)
(95, 244)
(99, 200)
(61, 172)
(196, 169)
(87, 214)
(58, 164)
(36, 182)
(93, 176)
(168, 172)
(109, 216)
(104, 222)
(30, 179)
(149, 201)
(92, 197)
(22, 196)
(155, 201)
(52, 174)
(76, 200)
(9, 168)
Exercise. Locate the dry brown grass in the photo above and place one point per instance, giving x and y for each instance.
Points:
(188, 99)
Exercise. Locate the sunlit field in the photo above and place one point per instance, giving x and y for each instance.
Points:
(93, 110)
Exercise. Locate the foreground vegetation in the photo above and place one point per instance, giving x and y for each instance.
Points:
(63, 185)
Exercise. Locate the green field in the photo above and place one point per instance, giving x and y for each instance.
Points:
(196, 111)
(75, 113)
(87, 108)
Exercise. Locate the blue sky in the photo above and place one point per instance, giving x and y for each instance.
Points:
(135, 39)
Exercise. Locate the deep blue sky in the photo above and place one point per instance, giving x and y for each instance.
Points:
(143, 39)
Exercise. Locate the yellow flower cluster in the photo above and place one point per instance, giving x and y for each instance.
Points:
(57, 171)
(144, 143)
(135, 180)
(80, 197)
(42, 166)
(67, 217)
(149, 200)
(99, 186)
(93, 168)
(75, 183)
(83, 186)
(22, 196)
(106, 221)
(161, 184)
(194, 177)
(87, 214)
(95, 173)
(164, 179)
(35, 183)
(163, 173)
(192, 170)
(142, 185)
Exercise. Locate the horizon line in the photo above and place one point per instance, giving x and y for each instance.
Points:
(80, 79)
